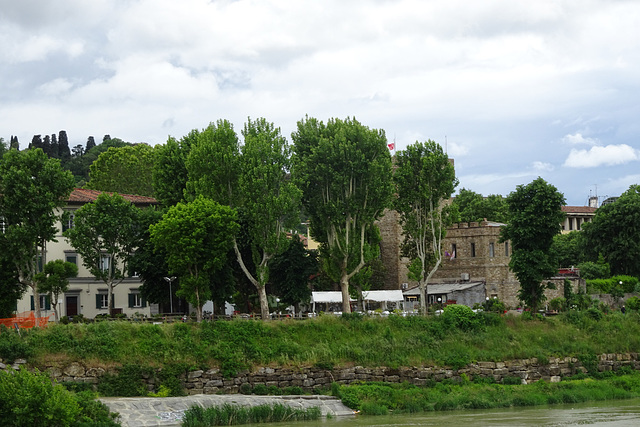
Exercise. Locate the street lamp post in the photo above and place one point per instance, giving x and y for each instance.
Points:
(170, 280)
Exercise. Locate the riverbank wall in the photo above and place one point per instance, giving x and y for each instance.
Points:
(314, 379)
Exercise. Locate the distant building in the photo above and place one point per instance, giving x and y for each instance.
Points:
(576, 216)
(88, 295)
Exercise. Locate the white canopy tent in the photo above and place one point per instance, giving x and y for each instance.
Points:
(335, 297)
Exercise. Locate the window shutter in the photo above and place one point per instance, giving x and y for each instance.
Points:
(132, 300)
(47, 302)
(33, 305)
(98, 301)
(144, 302)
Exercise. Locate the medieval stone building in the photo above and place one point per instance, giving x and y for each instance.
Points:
(473, 253)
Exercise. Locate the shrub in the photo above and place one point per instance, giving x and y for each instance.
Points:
(558, 304)
(13, 346)
(511, 380)
(594, 313)
(494, 305)
(31, 399)
(126, 383)
(633, 303)
(460, 316)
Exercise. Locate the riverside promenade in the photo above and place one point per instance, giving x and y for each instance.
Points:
(168, 411)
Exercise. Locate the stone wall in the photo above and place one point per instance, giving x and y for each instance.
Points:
(312, 379)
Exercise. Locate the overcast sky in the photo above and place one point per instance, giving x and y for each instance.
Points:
(512, 89)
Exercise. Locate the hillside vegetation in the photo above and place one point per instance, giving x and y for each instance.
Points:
(327, 341)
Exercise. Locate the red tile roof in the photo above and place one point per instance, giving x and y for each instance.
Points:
(84, 195)
(579, 209)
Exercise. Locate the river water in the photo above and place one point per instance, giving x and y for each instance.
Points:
(618, 413)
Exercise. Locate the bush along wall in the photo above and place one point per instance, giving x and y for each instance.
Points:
(177, 380)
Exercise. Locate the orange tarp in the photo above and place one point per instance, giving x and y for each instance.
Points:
(25, 320)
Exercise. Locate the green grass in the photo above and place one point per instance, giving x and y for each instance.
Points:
(326, 341)
(226, 415)
(380, 398)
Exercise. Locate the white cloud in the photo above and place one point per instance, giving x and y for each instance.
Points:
(577, 138)
(542, 166)
(456, 150)
(608, 155)
(56, 87)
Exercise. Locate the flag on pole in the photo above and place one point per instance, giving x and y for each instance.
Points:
(392, 146)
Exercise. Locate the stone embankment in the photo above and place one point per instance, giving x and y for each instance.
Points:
(210, 387)
(312, 379)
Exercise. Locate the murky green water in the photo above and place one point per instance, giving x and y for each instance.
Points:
(619, 413)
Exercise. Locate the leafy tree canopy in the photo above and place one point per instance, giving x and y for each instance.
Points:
(425, 180)
(535, 212)
(474, 207)
(614, 233)
(568, 249)
(125, 170)
(344, 171)
(32, 188)
(170, 174)
(54, 280)
(196, 237)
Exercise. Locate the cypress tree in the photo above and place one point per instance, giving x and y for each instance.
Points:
(54, 147)
(90, 144)
(63, 145)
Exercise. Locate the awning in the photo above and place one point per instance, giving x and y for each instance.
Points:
(442, 288)
(327, 297)
(381, 296)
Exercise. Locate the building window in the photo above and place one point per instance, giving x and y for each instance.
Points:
(102, 301)
(105, 262)
(491, 250)
(67, 220)
(473, 250)
(136, 301)
(72, 258)
(45, 303)
(570, 224)
(453, 251)
(506, 248)
(40, 264)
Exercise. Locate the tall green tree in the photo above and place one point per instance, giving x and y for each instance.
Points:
(105, 234)
(125, 170)
(474, 207)
(11, 290)
(33, 188)
(535, 212)
(196, 238)
(4, 147)
(256, 182)
(170, 174)
(425, 180)
(150, 263)
(614, 233)
(344, 171)
(54, 280)
(569, 249)
(291, 273)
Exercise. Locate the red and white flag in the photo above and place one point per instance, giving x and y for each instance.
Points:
(392, 146)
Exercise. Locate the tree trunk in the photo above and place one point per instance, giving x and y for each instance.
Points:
(344, 288)
(198, 307)
(110, 299)
(36, 302)
(264, 303)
